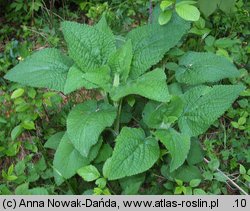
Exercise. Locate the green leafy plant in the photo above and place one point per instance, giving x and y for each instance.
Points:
(140, 118)
(185, 9)
(24, 9)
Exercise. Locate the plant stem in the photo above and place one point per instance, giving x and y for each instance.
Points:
(105, 96)
(117, 122)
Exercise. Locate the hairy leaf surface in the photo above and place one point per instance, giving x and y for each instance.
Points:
(86, 122)
(102, 25)
(178, 145)
(197, 68)
(133, 154)
(151, 42)
(88, 47)
(47, 68)
(151, 85)
(203, 105)
(120, 61)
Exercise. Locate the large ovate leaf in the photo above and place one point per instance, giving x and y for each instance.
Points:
(47, 68)
(196, 68)
(120, 61)
(178, 145)
(151, 85)
(133, 154)
(151, 42)
(88, 47)
(85, 123)
(203, 105)
(68, 160)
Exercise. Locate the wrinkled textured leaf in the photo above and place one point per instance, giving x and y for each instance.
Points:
(86, 122)
(120, 61)
(133, 154)
(151, 85)
(88, 47)
(178, 145)
(203, 105)
(196, 68)
(151, 42)
(102, 25)
(47, 68)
